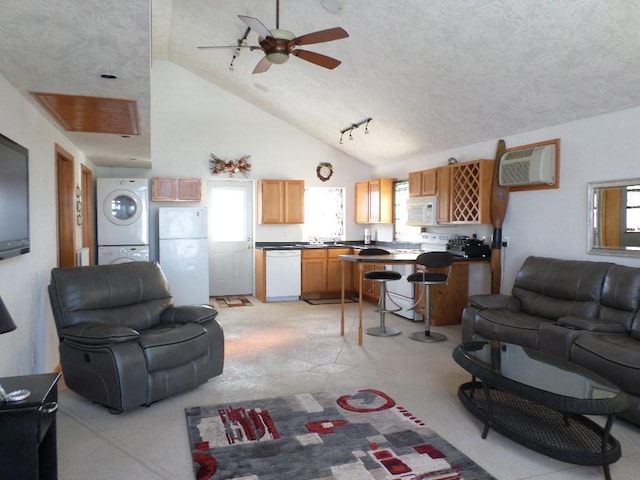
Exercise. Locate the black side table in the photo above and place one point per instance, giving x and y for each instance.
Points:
(28, 439)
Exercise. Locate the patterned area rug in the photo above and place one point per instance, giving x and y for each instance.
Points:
(360, 435)
(231, 301)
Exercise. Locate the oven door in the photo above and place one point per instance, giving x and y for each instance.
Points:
(402, 292)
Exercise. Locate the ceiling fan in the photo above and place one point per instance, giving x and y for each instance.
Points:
(278, 44)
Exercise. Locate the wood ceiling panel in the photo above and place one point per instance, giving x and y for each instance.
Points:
(78, 113)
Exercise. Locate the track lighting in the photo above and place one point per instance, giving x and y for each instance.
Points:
(353, 126)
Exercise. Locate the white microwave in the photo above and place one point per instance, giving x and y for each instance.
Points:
(421, 211)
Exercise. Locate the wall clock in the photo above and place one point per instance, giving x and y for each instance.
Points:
(324, 171)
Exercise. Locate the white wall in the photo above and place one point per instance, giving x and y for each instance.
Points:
(192, 118)
(33, 347)
(554, 222)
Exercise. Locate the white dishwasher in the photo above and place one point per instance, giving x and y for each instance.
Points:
(283, 275)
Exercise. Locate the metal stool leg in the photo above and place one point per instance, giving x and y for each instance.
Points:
(427, 336)
(383, 330)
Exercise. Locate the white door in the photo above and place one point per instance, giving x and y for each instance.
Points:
(231, 246)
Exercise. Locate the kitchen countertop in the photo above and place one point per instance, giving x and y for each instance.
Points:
(358, 246)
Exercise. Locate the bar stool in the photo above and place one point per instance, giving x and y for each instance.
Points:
(382, 277)
(426, 279)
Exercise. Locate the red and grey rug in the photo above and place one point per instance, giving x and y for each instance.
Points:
(361, 435)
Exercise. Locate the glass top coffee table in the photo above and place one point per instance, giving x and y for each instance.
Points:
(539, 401)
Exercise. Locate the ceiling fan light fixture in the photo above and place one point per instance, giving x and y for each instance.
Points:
(279, 53)
(277, 57)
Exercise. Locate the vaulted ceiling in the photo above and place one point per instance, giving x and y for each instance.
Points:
(431, 74)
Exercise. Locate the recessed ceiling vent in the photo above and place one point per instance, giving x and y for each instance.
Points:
(529, 166)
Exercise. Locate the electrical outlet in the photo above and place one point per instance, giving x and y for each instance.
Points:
(33, 358)
(505, 241)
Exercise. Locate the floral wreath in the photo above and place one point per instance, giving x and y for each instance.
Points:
(324, 170)
(218, 166)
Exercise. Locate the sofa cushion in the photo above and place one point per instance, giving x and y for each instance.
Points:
(621, 295)
(169, 346)
(615, 357)
(554, 288)
(512, 327)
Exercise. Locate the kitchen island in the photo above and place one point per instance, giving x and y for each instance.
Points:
(449, 300)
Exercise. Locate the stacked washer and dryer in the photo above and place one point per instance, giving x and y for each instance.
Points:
(122, 208)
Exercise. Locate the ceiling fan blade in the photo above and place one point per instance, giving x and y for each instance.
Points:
(256, 25)
(262, 66)
(322, 36)
(317, 58)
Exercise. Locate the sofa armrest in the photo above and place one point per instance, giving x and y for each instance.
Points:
(188, 314)
(98, 334)
(495, 301)
(592, 325)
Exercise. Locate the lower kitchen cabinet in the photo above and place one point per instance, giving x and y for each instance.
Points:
(334, 270)
(322, 272)
(314, 270)
(370, 289)
(448, 301)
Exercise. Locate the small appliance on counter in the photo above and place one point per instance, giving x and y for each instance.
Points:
(367, 236)
(466, 247)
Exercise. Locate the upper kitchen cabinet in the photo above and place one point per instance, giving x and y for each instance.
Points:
(423, 183)
(374, 201)
(464, 192)
(281, 201)
(175, 189)
(443, 214)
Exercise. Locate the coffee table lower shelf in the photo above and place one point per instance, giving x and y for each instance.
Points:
(571, 438)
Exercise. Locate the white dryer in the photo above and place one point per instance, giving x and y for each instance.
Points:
(123, 211)
(122, 254)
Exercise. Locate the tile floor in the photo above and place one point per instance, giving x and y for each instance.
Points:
(294, 347)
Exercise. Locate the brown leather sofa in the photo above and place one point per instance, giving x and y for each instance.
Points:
(587, 312)
(122, 341)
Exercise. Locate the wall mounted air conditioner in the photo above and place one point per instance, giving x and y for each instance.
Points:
(529, 166)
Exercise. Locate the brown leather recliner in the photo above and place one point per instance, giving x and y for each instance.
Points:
(122, 341)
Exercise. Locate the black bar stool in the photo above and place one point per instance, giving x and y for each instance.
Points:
(426, 279)
(382, 277)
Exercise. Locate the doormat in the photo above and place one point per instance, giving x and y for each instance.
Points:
(358, 435)
(232, 301)
(330, 301)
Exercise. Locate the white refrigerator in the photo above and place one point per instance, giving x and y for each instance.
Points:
(184, 253)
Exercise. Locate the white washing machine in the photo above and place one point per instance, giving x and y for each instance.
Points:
(123, 211)
(122, 254)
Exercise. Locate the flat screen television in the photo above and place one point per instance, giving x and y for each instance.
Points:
(14, 199)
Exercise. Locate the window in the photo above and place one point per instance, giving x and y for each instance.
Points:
(633, 209)
(324, 212)
(403, 232)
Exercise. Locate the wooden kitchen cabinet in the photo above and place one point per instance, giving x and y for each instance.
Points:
(176, 189)
(334, 270)
(464, 192)
(447, 301)
(423, 183)
(443, 214)
(370, 289)
(314, 271)
(280, 201)
(322, 272)
(374, 201)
